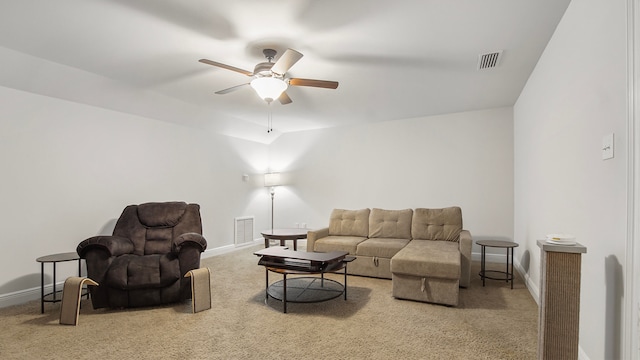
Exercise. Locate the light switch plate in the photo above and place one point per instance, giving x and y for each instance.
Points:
(607, 147)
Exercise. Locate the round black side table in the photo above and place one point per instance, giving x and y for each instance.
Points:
(508, 273)
(55, 296)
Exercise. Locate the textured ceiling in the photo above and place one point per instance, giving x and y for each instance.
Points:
(393, 59)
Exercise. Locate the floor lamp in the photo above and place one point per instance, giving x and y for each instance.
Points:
(272, 180)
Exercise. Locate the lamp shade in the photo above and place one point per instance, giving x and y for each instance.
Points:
(268, 88)
(272, 179)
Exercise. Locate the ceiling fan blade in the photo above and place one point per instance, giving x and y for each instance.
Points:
(313, 83)
(228, 90)
(286, 61)
(284, 98)
(224, 66)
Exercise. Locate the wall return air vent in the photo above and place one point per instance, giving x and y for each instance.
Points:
(244, 230)
(489, 60)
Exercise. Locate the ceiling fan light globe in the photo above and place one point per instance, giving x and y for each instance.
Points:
(268, 87)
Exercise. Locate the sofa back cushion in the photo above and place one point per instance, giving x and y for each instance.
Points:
(394, 224)
(437, 224)
(349, 222)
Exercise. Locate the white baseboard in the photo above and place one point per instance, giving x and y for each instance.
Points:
(491, 258)
(219, 251)
(26, 295)
(229, 248)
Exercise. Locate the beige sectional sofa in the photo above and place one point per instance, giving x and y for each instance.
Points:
(425, 252)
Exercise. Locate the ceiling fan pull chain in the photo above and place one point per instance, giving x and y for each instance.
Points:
(269, 119)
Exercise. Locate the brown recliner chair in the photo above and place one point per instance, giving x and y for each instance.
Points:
(144, 262)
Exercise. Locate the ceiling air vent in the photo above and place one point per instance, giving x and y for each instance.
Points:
(489, 60)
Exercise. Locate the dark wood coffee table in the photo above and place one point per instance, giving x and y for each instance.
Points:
(303, 289)
(284, 234)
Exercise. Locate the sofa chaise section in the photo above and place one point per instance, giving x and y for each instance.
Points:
(437, 261)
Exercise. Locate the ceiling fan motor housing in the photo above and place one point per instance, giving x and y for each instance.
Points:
(263, 69)
(270, 54)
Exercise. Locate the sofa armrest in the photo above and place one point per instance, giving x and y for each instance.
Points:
(190, 239)
(465, 244)
(313, 235)
(113, 245)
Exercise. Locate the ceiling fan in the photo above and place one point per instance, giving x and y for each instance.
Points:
(269, 78)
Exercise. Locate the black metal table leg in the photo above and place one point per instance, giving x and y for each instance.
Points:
(266, 285)
(512, 274)
(345, 281)
(54, 281)
(507, 268)
(284, 292)
(482, 263)
(42, 288)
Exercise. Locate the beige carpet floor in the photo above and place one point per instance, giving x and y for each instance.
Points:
(492, 322)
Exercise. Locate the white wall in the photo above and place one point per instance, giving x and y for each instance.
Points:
(69, 169)
(463, 159)
(574, 97)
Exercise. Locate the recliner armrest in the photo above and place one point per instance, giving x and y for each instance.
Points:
(189, 239)
(114, 245)
(313, 235)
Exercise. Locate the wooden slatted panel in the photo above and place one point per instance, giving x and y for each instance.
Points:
(560, 306)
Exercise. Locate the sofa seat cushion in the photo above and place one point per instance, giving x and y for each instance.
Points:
(381, 247)
(427, 258)
(338, 243)
(128, 272)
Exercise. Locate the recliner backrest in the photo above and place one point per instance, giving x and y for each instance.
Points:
(153, 226)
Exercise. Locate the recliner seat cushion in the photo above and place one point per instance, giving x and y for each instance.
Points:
(129, 272)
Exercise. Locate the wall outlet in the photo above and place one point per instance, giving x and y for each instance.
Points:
(607, 147)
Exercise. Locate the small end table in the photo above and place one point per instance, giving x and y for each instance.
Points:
(284, 234)
(508, 274)
(55, 296)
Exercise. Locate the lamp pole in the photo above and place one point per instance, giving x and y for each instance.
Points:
(273, 192)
